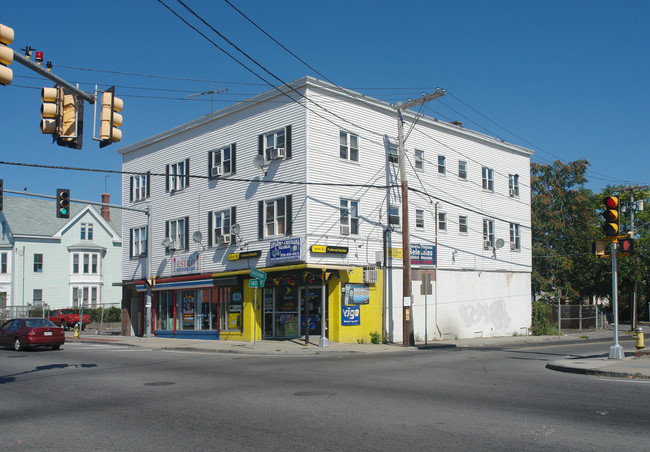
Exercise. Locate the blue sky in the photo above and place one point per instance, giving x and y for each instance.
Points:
(568, 79)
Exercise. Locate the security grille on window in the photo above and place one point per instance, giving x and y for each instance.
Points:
(419, 218)
(513, 183)
(488, 234)
(515, 239)
(349, 210)
(442, 164)
(138, 242)
(462, 170)
(442, 221)
(462, 224)
(349, 146)
(488, 179)
(393, 215)
(221, 162)
(140, 187)
(177, 231)
(177, 176)
(275, 145)
(419, 160)
(274, 217)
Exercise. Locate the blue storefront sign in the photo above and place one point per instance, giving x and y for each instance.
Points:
(423, 254)
(286, 250)
(350, 315)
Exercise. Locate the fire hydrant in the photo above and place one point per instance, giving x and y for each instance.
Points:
(76, 331)
(639, 339)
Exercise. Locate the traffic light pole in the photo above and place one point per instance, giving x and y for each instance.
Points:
(47, 74)
(615, 351)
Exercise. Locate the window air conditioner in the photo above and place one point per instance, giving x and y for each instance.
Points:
(223, 239)
(513, 192)
(487, 244)
(277, 153)
(513, 246)
(345, 230)
(217, 171)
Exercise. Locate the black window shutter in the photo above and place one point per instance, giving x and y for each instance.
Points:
(167, 235)
(187, 172)
(210, 165)
(233, 157)
(131, 190)
(233, 220)
(148, 184)
(288, 142)
(131, 242)
(210, 232)
(260, 220)
(167, 178)
(288, 214)
(187, 233)
(260, 145)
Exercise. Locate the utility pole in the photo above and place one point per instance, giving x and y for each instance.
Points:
(408, 337)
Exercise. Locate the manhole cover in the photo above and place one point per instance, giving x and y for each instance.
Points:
(313, 393)
(159, 383)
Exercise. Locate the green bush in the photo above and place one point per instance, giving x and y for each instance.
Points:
(542, 322)
(375, 337)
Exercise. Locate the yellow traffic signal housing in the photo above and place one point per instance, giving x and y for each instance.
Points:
(110, 118)
(6, 54)
(51, 109)
(612, 215)
(62, 115)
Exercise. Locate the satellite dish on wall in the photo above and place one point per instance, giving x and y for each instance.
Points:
(235, 228)
(197, 236)
(500, 243)
(166, 242)
(259, 161)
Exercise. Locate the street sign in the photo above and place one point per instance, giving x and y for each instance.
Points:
(255, 283)
(258, 274)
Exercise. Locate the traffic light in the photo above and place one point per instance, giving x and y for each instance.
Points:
(611, 215)
(51, 110)
(62, 203)
(6, 54)
(62, 115)
(110, 118)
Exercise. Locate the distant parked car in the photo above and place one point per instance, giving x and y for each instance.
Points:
(31, 332)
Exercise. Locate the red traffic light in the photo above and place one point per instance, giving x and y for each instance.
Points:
(626, 245)
(611, 202)
(611, 215)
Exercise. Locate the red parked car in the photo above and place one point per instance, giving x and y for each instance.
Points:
(31, 332)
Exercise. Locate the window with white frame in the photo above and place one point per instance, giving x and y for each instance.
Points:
(222, 161)
(462, 169)
(515, 239)
(3, 262)
(392, 149)
(86, 296)
(86, 231)
(221, 227)
(393, 215)
(442, 164)
(349, 146)
(442, 221)
(419, 160)
(274, 144)
(488, 234)
(513, 184)
(177, 232)
(419, 219)
(349, 210)
(462, 224)
(178, 176)
(38, 263)
(37, 297)
(139, 187)
(86, 263)
(139, 242)
(488, 178)
(274, 217)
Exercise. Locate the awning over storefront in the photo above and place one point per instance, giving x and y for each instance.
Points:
(200, 282)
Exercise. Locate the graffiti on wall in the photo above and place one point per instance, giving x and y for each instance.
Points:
(492, 314)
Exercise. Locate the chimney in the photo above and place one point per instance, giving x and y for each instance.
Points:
(106, 213)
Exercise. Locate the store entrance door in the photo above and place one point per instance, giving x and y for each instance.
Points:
(310, 309)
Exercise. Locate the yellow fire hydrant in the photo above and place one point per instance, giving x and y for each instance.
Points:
(76, 331)
(639, 339)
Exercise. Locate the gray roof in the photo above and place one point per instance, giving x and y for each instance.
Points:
(31, 216)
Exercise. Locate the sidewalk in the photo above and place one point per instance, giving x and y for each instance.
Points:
(630, 366)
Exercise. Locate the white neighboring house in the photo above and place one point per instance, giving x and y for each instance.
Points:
(58, 262)
(316, 170)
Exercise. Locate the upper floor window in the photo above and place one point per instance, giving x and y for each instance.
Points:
(219, 226)
(392, 150)
(38, 263)
(488, 234)
(177, 176)
(462, 224)
(349, 146)
(85, 263)
(177, 231)
(462, 169)
(442, 164)
(515, 239)
(488, 178)
(222, 161)
(138, 242)
(393, 215)
(349, 210)
(442, 221)
(274, 217)
(419, 218)
(86, 231)
(275, 145)
(419, 160)
(140, 184)
(3, 262)
(513, 184)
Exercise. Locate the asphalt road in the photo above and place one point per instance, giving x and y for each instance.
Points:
(106, 397)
